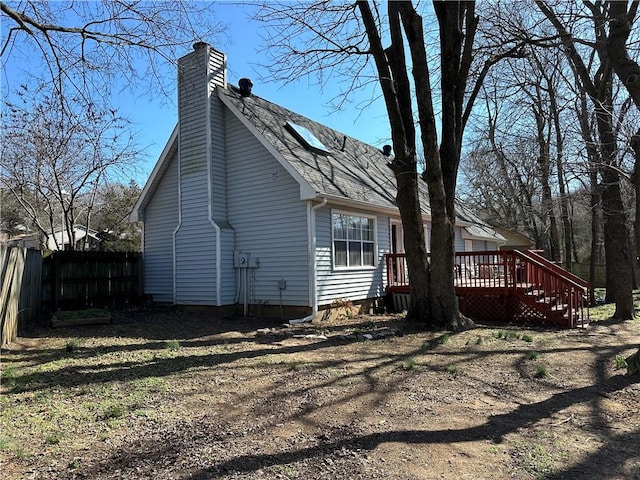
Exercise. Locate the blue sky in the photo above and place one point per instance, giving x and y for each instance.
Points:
(155, 118)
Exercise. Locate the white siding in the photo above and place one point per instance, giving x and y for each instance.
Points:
(352, 283)
(269, 219)
(160, 219)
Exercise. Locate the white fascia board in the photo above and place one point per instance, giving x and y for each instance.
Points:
(369, 207)
(468, 236)
(154, 177)
(358, 204)
(307, 192)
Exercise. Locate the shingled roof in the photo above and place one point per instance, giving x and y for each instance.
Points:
(344, 169)
(351, 170)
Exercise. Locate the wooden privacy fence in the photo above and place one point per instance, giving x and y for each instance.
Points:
(77, 280)
(20, 299)
(600, 274)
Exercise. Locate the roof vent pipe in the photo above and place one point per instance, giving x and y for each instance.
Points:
(198, 45)
(245, 85)
(386, 150)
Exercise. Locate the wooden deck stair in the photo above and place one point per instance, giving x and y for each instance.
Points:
(506, 285)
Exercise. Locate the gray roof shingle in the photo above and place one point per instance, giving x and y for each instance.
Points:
(352, 170)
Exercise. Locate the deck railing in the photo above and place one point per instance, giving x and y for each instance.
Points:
(525, 274)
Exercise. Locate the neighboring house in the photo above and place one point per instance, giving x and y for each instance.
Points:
(251, 203)
(514, 240)
(60, 239)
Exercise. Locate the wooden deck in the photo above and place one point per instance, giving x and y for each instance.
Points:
(509, 286)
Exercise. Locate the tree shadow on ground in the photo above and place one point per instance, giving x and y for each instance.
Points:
(598, 465)
(494, 430)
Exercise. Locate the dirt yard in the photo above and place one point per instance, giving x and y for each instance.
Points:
(176, 395)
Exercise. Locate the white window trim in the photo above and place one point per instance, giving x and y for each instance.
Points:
(375, 241)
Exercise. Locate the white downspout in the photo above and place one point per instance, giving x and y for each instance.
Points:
(313, 274)
(179, 225)
(209, 187)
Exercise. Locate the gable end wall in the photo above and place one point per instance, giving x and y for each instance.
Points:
(161, 218)
(269, 219)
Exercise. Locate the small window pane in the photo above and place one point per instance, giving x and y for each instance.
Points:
(339, 227)
(367, 254)
(367, 229)
(355, 255)
(355, 230)
(340, 249)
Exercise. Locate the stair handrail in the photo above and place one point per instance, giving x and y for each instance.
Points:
(558, 272)
(575, 283)
(555, 267)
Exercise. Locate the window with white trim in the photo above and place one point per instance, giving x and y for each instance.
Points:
(353, 240)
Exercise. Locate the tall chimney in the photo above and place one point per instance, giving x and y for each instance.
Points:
(201, 131)
(201, 173)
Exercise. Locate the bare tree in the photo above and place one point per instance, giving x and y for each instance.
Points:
(80, 49)
(327, 38)
(622, 16)
(71, 57)
(598, 85)
(522, 131)
(53, 163)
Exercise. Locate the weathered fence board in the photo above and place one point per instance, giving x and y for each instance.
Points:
(19, 290)
(76, 280)
(582, 270)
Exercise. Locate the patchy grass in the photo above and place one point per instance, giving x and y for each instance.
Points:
(444, 339)
(542, 372)
(621, 362)
(533, 355)
(602, 312)
(409, 365)
(538, 459)
(453, 370)
(210, 398)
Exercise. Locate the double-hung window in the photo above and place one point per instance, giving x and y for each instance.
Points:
(353, 240)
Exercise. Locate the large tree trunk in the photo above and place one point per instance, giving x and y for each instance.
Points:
(455, 61)
(442, 163)
(394, 82)
(629, 73)
(616, 235)
(599, 88)
(414, 246)
(635, 178)
(441, 309)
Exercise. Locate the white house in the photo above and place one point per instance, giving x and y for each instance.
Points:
(251, 203)
(59, 240)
